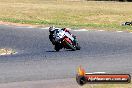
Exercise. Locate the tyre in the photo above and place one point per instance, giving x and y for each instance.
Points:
(81, 80)
(70, 45)
(57, 47)
(78, 47)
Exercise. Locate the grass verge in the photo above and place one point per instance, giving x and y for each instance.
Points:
(74, 14)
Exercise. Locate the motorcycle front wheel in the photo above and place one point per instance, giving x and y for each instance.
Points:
(78, 47)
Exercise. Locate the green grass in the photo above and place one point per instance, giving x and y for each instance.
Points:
(80, 14)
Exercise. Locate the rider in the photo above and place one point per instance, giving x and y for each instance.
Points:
(51, 37)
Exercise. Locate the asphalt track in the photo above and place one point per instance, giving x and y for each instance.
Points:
(101, 51)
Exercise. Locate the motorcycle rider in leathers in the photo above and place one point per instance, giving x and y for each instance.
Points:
(52, 39)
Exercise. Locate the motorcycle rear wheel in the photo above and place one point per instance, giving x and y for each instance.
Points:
(58, 47)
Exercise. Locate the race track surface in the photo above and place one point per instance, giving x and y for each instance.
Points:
(109, 52)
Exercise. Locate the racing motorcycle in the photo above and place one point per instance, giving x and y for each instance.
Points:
(65, 40)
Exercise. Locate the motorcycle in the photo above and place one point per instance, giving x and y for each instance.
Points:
(65, 40)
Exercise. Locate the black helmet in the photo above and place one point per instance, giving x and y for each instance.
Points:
(51, 29)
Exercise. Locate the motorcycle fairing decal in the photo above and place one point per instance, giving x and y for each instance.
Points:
(69, 36)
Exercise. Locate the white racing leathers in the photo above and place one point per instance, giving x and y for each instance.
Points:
(59, 34)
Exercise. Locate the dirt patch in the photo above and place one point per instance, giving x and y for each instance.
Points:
(20, 24)
(5, 51)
